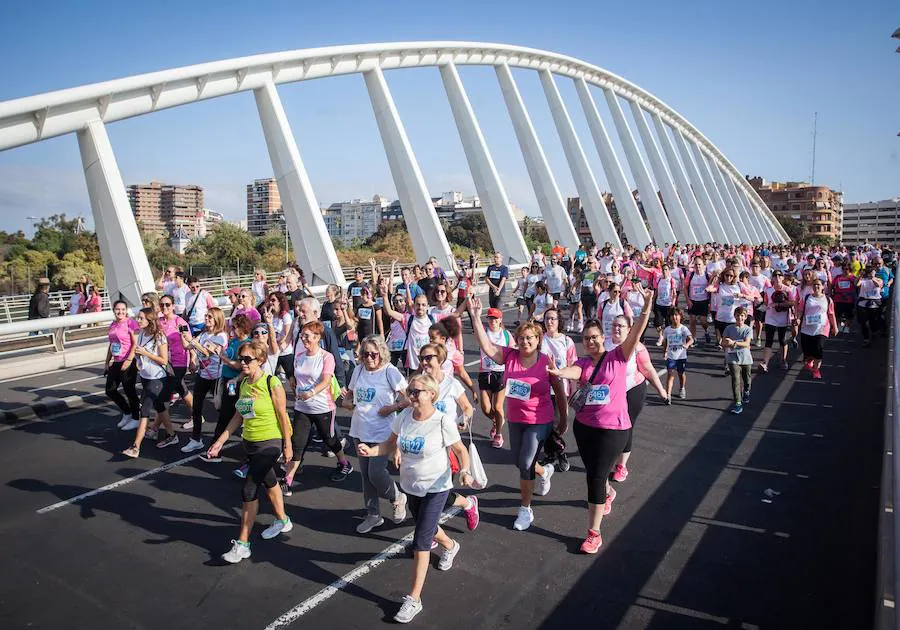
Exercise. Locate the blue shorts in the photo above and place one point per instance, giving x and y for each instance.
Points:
(676, 364)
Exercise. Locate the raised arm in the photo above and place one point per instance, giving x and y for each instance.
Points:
(395, 315)
(487, 346)
(640, 323)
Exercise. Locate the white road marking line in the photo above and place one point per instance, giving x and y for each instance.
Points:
(125, 482)
(80, 380)
(338, 585)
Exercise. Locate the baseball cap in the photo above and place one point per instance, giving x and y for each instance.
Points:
(495, 312)
(233, 291)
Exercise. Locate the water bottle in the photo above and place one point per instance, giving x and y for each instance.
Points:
(232, 389)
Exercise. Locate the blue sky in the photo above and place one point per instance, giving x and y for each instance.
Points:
(749, 76)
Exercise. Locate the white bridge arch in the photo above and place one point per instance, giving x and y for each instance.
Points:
(706, 198)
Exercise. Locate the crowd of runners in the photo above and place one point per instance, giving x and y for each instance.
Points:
(389, 348)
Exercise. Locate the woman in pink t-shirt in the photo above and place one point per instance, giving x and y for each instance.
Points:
(120, 366)
(529, 408)
(602, 425)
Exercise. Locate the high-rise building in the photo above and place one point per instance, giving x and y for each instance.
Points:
(264, 210)
(164, 208)
(818, 209)
(332, 217)
(360, 219)
(875, 222)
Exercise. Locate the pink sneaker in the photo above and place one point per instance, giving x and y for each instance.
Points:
(592, 543)
(817, 375)
(607, 507)
(472, 516)
(620, 474)
(808, 365)
(497, 440)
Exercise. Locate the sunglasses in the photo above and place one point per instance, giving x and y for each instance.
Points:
(371, 355)
(246, 360)
(427, 357)
(260, 333)
(414, 393)
(165, 304)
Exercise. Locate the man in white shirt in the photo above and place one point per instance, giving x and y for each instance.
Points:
(555, 277)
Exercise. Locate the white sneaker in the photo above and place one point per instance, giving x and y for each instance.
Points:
(238, 552)
(369, 524)
(192, 445)
(399, 514)
(187, 426)
(524, 519)
(277, 527)
(447, 556)
(126, 418)
(130, 425)
(409, 609)
(682, 394)
(542, 482)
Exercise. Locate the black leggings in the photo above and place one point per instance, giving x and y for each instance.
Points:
(286, 363)
(869, 320)
(636, 396)
(226, 408)
(261, 460)
(202, 387)
(599, 449)
(771, 332)
(303, 423)
(129, 403)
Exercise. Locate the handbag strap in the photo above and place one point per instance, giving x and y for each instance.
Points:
(596, 367)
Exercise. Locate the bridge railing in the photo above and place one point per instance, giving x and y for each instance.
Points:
(888, 576)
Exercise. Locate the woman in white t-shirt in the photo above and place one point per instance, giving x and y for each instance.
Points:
(375, 394)
(314, 403)
(152, 356)
(282, 318)
(452, 402)
(207, 347)
(422, 435)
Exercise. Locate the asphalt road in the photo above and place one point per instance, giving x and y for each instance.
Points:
(690, 542)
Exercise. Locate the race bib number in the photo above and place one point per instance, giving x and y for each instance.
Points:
(356, 291)
(698, 293)
(365, 313)
(115, 348)
(587, 283)
(599, 395)
(463, 284)
(244, 406)
(520, 390)
(379, 302)
(365, 395)
(728, 301)
(843, 284)
(411, 446)
(814, 319)
(495, 275)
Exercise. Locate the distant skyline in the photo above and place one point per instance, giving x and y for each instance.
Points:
(749, 81)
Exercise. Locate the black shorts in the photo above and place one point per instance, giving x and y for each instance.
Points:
(813, 345)
(151, 396)
(662, 315)
(771, 331)
(490, 381)
(721, 326)
(172, 384)
(699, 308)
(844, 310)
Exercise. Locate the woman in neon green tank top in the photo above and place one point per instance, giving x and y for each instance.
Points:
(261, 408)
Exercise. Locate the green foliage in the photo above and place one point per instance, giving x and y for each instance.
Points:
(471, 232)
(225, 244)
(796, 231)
(73, 266)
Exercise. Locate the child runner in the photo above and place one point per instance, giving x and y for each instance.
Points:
(676, 339)
(736, 341)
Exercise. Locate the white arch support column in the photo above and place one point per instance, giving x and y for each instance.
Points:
(313, 248)
(769, 229)
(677, 216)
(502, 226)
(124, 261)
(762, 225)
(595, 211)
(706, 204)
(731, 233)
(428, 236)
(629, 215)
(749, 221)
(735, 211)
(659, 223)
(556, 217)
(692, 207)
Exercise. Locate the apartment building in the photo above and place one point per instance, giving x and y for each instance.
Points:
(819, 209)
(264, 209)
(165, 208)
(875, 222)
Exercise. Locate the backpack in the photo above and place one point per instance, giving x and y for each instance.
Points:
(409, 328)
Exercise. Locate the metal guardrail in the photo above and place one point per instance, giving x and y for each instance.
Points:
(888, 572)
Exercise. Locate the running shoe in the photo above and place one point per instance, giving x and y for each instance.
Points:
(192, 445)
(607, 507)
(785, 366)
(277, 527)
(131, 425)
(620, 473)
(497, 440)
(408, 609)
(542, 482)
(447, 556)
(562, 463)
(745, 399)
(737, 408)
(239, 551)
(399, 508)
(126, 418)
(727, 371)
(524, 518)
(210, 460)
(659, 342)
(169, 440)
(151, 434)
(473, 517)
(682, 393)
(342, 471)
(808, 365)
(370, 523)
(286, 489)
(241, 472)
(817, 374)
(668, 400)
(592, 543)
(132, 451)
(187, 426)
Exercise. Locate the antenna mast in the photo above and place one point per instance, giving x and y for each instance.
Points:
(815, 125)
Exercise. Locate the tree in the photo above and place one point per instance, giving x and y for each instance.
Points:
(796, 231)
(470, 232)
(74, 265)
(224, 245)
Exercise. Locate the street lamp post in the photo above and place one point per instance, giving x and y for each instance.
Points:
(34, 223)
